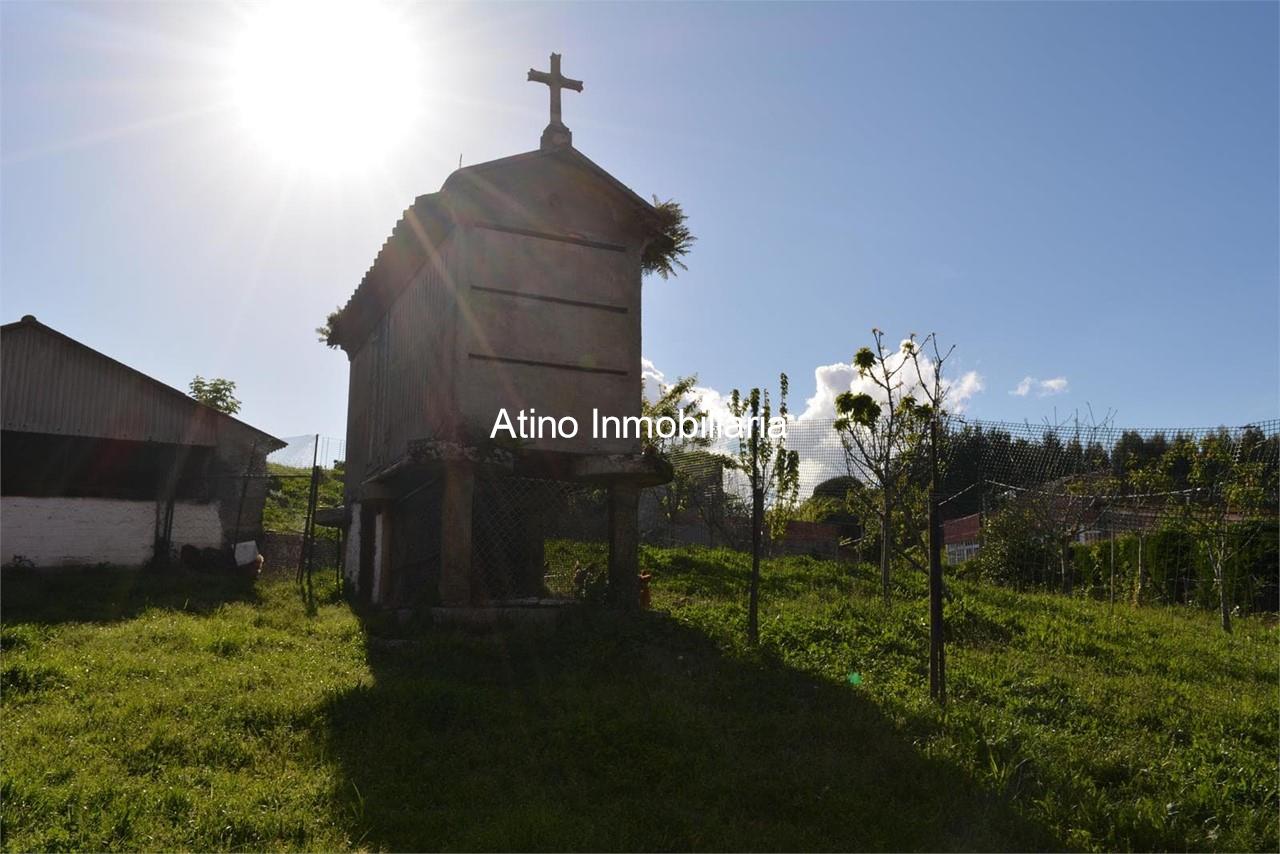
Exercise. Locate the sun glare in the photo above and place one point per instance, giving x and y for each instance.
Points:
(326, 86)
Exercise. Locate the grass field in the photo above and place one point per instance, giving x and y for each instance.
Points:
(179, 713)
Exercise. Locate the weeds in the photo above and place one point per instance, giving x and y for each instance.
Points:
(169, 713)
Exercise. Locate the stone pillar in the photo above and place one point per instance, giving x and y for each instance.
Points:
(381, 592)
(455, 533)
(351, 552)
(624, 545)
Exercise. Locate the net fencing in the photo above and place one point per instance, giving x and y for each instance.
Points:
(1160, 509)
(304, 479)
(535, 537)
(998, 454)
(1141, 508)
(302, 452)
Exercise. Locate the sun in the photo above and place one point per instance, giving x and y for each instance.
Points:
(331, 87)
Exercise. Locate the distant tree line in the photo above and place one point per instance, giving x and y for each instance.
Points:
(1182, 518)
(993, 457)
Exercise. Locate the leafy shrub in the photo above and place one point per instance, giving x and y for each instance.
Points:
(1011, 552)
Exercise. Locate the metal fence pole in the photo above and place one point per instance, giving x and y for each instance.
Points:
(937, 653)
(304, 553)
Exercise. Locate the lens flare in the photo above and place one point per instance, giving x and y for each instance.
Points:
(329, 86)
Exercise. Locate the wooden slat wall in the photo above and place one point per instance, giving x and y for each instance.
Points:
(550, 325)
(396, 394)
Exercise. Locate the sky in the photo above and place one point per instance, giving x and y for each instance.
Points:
(1084, 198)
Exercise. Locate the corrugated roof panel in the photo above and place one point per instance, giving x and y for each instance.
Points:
(50, 383)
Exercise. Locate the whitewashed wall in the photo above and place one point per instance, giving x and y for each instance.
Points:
(351, 560)
(74, 531)
(380, 546)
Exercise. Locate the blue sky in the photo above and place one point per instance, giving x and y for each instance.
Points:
(1084, 192)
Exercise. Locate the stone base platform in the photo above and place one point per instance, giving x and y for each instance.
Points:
(534, 613)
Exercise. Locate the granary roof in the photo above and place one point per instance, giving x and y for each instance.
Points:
(427, 224)
(566, 153)
(42, 392)
(416, 237)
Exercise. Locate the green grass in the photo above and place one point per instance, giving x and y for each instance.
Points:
(289, 491)
(183, 713)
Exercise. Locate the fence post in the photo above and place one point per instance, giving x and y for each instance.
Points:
(304, 553)
(937, 652)
(624, 541)
(244, 490)
(1112, 595)
(457, 587)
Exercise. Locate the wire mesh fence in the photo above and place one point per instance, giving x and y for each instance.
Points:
(536, 537)
(998, 454)
(1128, 509)
(1177, 509)
(302, 452)
(303, 480)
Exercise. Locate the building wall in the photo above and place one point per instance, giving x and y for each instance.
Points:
(351, 560)
(92, 447)
(532, 301)
(553, 325)
(401, 379)
(86, 531)
(965, 529)
(143, 474)
(957, 553)
(810, 538)
(238, 485)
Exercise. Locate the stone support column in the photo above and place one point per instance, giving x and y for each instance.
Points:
(624, 545)
(382, 532)
(455, 534)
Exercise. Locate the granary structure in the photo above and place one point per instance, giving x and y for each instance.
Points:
(103, 464)
(516, 286)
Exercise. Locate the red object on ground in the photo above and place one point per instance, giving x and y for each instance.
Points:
(644, 589)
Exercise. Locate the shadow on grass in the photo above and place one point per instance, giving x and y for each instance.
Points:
(635, 733)
(111, 594)
(721, 573)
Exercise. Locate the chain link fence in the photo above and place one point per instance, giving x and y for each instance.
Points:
(303, 515)
(1115, 509)
(535, 537)
(1150, 513)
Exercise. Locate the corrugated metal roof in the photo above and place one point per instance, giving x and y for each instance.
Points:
(51, 383)
(418, 235)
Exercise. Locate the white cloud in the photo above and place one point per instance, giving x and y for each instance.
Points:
(652, 380)
(821, 452)
(655, 384)
(963, 389)
(1057, 385)
(1042, 388)
(833, 380)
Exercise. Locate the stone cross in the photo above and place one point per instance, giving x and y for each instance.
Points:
(556, 133)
